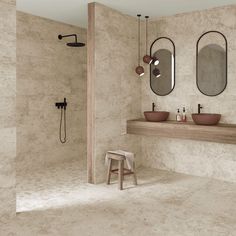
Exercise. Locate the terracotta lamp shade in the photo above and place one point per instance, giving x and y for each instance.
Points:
(139, 70)
(156, 72)
(147, 59)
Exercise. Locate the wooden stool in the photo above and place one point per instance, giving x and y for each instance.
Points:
(121, 171)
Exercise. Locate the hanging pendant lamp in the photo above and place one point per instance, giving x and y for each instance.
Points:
(155, 61)
(156, 72)
(139, 69)
(147, 59)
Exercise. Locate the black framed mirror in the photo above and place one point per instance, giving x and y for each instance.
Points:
(211, 63)
(162, 75)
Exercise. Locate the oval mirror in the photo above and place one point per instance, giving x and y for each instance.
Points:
(211, 63)
(162, 75)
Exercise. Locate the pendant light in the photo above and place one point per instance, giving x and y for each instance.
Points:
(147, 59)
(155, 61)
(139, 69)
(156, 72)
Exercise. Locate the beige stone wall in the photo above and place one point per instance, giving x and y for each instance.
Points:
(7, 108)
(193, 157)
(48, 71)
(117, 88)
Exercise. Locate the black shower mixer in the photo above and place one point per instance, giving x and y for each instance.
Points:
(61, 105)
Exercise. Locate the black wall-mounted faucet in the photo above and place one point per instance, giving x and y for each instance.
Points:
(199, 107)
(153, 106)
(61, 104)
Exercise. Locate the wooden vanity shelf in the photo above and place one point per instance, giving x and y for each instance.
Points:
(221, 133)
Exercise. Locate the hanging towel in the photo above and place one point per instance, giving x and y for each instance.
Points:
(129, 157)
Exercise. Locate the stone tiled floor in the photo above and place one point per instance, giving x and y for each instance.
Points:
(59, 202)
(54, 187)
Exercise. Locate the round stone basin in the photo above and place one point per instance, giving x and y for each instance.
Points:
(156, 116)
(206, 118)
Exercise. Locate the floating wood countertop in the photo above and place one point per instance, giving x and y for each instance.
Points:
(221, 133)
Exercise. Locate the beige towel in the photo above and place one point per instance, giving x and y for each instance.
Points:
(129, 157)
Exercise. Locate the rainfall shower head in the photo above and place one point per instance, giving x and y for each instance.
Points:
(73, 44)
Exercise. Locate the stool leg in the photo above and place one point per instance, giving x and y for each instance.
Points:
(109, 170)
(135, 177)
(121, 174)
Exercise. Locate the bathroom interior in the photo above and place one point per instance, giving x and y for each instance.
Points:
(154, 78)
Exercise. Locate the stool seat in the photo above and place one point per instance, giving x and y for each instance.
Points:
(120, 171)
(116, 156)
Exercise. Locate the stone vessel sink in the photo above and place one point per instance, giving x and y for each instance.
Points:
(206, 118)
(156, 116)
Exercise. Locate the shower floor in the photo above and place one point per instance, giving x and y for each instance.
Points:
(54, 187)
(59, 202)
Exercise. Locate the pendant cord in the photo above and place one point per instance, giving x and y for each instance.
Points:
(146, 34)
(139, 39)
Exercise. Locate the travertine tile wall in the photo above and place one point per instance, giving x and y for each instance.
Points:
(7, 108)
(193, 157)
(48, 71)
(117, 89)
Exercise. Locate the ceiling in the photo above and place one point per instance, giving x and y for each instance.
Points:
(75, 11)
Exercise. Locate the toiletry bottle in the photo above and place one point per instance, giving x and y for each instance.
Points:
(178, 116)
(184, 117)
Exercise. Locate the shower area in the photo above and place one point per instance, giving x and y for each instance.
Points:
(51, 112)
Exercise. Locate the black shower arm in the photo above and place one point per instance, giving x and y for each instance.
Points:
(70, 35)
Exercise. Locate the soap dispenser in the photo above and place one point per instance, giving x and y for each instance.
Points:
(178, 116)
(184, 117)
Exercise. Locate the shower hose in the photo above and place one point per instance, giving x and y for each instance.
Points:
(63, 140)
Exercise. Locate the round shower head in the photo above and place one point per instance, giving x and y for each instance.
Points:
(75, 44)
